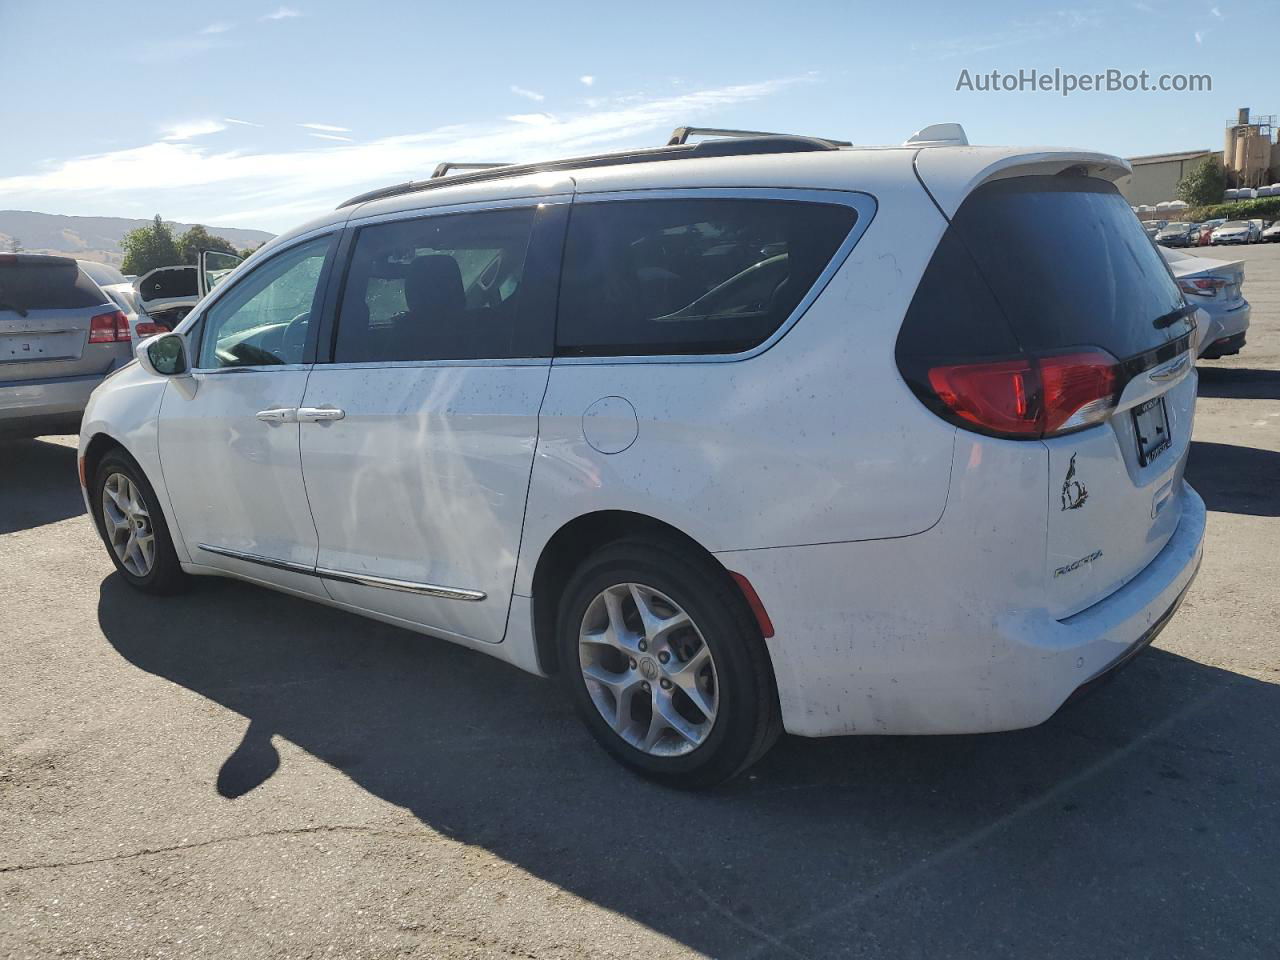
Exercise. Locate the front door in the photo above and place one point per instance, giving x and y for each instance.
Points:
(418, 439)
(229, 448)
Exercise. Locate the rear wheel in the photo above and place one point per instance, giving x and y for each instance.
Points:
(665, 664)
(132, 526)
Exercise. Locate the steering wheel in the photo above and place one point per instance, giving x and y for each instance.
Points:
(293, 341)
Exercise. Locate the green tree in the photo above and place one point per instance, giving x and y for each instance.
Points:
(149, 247)
(244, 254)
(1205, 184)
(198, 238)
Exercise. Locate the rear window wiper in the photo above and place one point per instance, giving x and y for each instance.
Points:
(1173, 316)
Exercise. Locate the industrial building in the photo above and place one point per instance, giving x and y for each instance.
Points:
(1250, 157)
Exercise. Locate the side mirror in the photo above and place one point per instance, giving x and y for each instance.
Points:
(164, 355)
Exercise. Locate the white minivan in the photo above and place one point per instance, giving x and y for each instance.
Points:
(751, 434)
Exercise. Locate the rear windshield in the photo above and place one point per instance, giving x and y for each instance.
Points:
(103, 274)
(1062, 262)
(46, 285)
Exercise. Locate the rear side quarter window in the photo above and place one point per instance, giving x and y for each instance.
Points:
(689, 276)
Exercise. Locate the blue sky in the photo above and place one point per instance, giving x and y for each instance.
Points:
(261, 114)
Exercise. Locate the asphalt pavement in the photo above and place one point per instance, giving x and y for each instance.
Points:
(236, 773)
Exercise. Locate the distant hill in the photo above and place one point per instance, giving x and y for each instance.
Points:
(94, 238)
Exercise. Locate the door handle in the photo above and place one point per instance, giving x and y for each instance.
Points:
(278, 415)
(320, 414)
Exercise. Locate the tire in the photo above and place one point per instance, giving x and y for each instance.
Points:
(163, 574)
(737, 684)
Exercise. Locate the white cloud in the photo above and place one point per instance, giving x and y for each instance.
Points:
(198, 182)
(1019, 32)
(217, 28)
(534, 119)
(243, 123)
(587, 80)
(1216, 12)
(533, 95)
(1199, 35)
(193, 128)
(331, 136)
(326, 127)
(283, 13)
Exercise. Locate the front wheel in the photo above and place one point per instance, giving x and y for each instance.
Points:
(665, 664)
(132, 526)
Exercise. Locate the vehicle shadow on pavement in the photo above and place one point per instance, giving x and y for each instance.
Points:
(37, 484)
(1137, 820)
(1239, 383)
(1235, 479)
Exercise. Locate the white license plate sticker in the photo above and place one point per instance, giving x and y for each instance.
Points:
(1151, 426)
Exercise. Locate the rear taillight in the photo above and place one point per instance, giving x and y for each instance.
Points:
(1029, 397)
(149, 329)
(110, 327)
(1202, 286)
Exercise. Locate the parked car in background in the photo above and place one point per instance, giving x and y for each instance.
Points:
(1206, 230)
(1217, 287)
(1233, 231)
(103, 274)
(1258, 227)
(121, 290)
(1151, 228)
(1272, 233)
(1178, 234)
(569, 441)
(60, 335)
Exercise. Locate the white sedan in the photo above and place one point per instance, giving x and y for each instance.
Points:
(1216, 287)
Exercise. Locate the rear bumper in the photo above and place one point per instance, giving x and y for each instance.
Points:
(43, 406)
(1225, 331)
(921, 660)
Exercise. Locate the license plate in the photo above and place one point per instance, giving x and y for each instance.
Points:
(1151, 426)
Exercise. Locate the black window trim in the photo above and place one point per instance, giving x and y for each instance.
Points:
(864, 205)
(194, 333)
(542, 204)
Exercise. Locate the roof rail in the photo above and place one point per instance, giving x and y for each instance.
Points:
(745, 146)
(444, 168)
(681, 135)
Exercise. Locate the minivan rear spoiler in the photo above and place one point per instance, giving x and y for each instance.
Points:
(952, 174)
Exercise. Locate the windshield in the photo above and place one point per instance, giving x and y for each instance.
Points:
(1235, 224)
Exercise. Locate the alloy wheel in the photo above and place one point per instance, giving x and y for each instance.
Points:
(128, 525)
(648, 669)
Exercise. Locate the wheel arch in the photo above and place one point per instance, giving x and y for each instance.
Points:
(573, 541)
(102, 443)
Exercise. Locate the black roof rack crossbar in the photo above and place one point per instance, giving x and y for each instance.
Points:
(766, 143)
(682, 134)
(444, 168)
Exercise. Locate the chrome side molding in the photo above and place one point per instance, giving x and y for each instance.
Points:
(343, 576)
(260, 560)
(405, 586)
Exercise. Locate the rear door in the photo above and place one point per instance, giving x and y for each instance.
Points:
(47, 306)
(1072, 272)
(418, 439)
